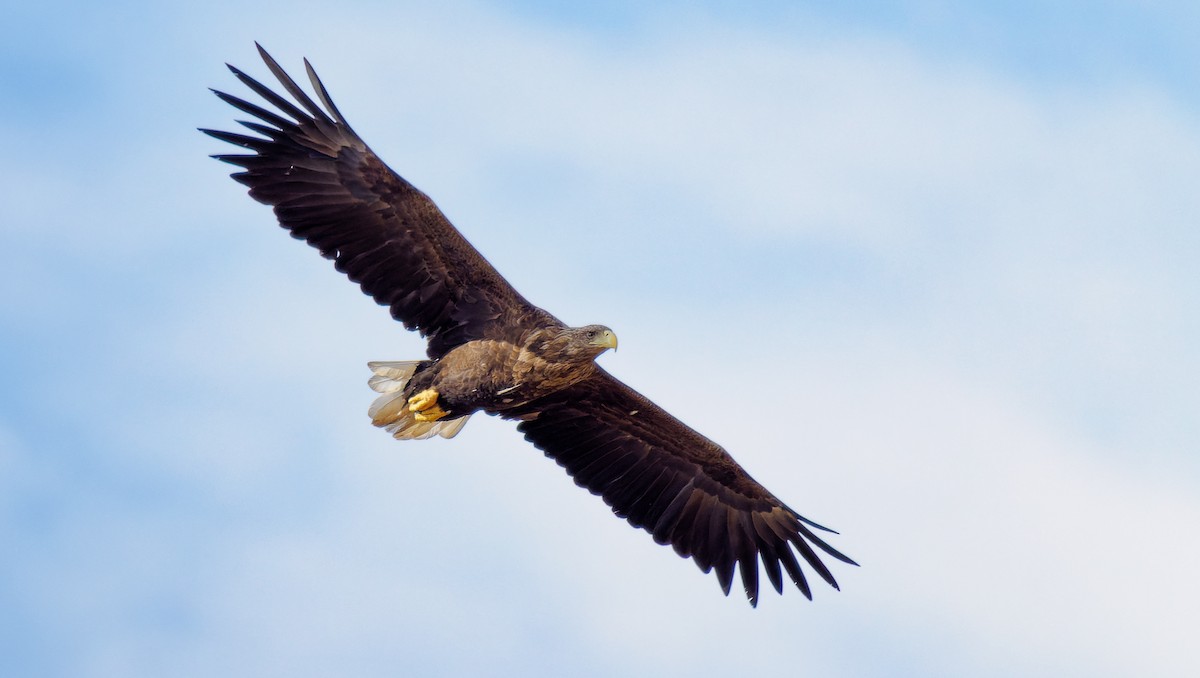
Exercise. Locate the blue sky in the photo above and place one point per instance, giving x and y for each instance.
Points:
(946, 248)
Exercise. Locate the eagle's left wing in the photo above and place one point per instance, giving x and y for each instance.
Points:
(682, 488)
(331, 190)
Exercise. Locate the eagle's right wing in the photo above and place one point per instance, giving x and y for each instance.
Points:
(682, 488)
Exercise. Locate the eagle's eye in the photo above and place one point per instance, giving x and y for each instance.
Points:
(591, 334)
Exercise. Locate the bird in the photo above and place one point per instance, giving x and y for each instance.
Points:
(490, 350)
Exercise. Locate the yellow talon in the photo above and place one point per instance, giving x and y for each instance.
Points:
(423, 400)
(424, 406)
(429, 414)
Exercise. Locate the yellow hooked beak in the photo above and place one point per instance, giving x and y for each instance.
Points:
(605, 339)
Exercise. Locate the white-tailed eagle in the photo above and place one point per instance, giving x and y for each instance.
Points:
(492, 351)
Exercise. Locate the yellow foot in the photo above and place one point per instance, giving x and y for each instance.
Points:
(424, 406)
(429, 414)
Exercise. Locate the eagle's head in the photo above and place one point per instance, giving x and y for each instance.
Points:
(575, 345)
(596, 338)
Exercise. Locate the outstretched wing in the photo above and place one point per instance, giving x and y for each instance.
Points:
(329, 189)
(682, 488)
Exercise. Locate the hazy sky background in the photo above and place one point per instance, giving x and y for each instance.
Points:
(927, 269)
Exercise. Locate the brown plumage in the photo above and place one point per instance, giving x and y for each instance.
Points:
(491, 350)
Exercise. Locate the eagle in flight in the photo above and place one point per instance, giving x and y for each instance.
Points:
(490, 350)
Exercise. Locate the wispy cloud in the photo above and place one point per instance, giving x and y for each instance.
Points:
(970, 349)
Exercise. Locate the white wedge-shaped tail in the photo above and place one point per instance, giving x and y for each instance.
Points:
(390, 410)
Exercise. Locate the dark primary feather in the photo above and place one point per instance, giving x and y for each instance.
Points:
(679, 486)
(329, 189)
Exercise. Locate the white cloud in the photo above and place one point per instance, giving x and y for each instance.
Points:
(1005, 531)
(1023, 258)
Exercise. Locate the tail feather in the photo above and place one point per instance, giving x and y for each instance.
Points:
(391, 375)
(390, 410)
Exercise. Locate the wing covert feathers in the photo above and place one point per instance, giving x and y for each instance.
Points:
(682, 488)
(330, 190)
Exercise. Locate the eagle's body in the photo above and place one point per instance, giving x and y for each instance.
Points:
(493, 375)
(490, 350)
